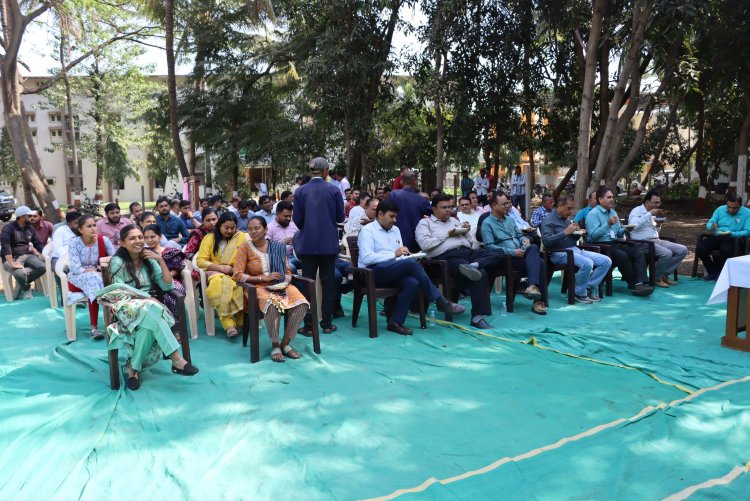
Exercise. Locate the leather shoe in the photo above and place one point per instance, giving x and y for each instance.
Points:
(134, 383)
(399, 329)
(533, 293)
(470, 272)
(451, 307)
(188, 370)
(539, 308)
(642, 290)
(482, 324)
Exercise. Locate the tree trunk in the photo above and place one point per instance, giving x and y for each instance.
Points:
(438, 74)
(172, 87)
(587, 104)
(700, 164)
(640, 17)
(69, 126)
(742, 157)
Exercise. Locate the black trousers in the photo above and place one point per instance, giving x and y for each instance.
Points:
(631, 261)
(479, 290)
(325, 264)
(725, 246)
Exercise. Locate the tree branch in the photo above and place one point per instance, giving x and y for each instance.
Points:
(49, 83)
(28, 18)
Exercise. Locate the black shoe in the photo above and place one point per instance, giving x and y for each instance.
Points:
(305, 331)
(134, 383)
(482, 324)
(641, 290)
(711, 277)
(450, 306)
(188, 370)
(399, 329)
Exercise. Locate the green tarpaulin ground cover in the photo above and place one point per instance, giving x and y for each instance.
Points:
(369, 417)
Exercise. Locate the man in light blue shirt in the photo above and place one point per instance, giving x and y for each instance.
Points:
(729, 222)
(244, 215)
(266, 204)
(500, 233)
(603, 226)
(669, 254)
(518, 189)
(580, 217)
(559, 232)
(381, 249)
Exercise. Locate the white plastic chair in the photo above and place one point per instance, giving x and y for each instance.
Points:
(50, 284)
(190, 303)
(68, 308)
(7, 280)
(208, 310)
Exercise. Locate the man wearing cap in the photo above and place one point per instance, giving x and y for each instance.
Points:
(318, 207)
(21, 252)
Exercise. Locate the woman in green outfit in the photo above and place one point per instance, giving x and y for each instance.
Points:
(143, 323)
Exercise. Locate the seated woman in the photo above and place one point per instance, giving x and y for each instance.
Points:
(148, 218)
(85, 277)
(216, 255)
(209, 217)
(174, 259)
(143, 325)
(264, 263)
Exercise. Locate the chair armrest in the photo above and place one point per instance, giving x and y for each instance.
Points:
(667, 238)
(303, 283)
(435, 264)
(598, 247)
(367, 273)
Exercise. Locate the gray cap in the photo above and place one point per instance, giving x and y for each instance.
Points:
(23, 211)
(318, 164)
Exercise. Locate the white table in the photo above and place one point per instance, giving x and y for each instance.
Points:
(732, 288)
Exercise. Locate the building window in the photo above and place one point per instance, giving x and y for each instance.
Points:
(55, 117)
(31, 117)
(159, 183)
(78, 136)
(51, 181)
(55, 135)
(119, 185)
(34, 136)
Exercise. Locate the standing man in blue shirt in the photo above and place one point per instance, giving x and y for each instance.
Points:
(381, 249)
(171, 226)
(412, 207)
(318, 207)
(603, 225)
(729, 222)
(518, 189)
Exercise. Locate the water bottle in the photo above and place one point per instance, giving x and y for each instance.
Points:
(431, 317)
(503, 310)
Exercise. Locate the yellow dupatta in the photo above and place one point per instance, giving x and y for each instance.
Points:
(223, 292)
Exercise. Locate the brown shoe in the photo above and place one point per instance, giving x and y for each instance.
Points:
(661, 283)
(539, 308)
(667, 281)
(532, 292)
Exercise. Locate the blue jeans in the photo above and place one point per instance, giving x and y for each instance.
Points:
(592, 268)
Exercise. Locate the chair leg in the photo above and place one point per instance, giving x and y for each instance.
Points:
(208, 312)
(70, 322)
(510, 293)
(422, 317)
(570, 278)
(695, 258)
(358, 296)
(372, 314)
(114, 369)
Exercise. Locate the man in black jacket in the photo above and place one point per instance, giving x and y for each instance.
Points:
(21, 252)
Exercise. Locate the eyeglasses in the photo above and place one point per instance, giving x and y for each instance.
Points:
(463, 205)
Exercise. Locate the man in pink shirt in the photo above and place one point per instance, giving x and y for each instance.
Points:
(283, 229)
(111, 225)
(43, 228)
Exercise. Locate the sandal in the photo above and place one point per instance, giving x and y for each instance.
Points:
(327, 330)
(232, 331)
(291, 352)
(305, 331)
(277, 356)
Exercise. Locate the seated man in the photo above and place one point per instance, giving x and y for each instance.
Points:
(443, 237)
(42, 227)
(380, 247)
(187, 216)
(729, 222)
(110, 225)
(603, 225)
(244, 215)
(171, 226)
(266, 204)
(580, 216)
(135, 211)
(358, 217)
(282, 229)
(500, 233)
(669, 254)
(21, 252)
(542, 211)
(558, 232)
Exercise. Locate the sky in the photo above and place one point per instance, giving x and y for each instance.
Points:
(38, 45)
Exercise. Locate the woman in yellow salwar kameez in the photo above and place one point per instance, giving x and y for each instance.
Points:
(216, 255)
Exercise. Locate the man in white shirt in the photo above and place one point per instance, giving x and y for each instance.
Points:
(482, 186)
(466, 214)
(362, 214)
(443, 237)
(518, 189)
(343, 183)
(62, 236)
(381, 249)
(669, 255)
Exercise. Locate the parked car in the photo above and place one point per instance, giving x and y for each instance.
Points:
(7, 205)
